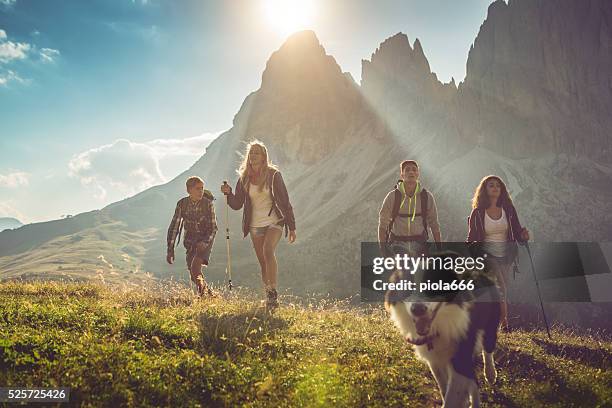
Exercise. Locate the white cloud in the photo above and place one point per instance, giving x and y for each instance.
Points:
(128, 167)
(123, 166)
(10, 50)
(9, 209)
(49, 54)
(191, 146)
(8, 2)
(10, 76)
(14, 179)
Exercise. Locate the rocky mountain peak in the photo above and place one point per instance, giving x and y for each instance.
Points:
(397, 44)
(395, 62)
(398, 83)
(9, 223)
(301, 57)
(419, 58)
(303, 99)
(547, 64)
(395, 56)
(303, 40)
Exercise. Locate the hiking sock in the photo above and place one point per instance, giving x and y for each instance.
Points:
(201, 284)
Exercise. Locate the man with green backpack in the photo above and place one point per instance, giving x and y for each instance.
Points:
(407, 214)
(196, 214)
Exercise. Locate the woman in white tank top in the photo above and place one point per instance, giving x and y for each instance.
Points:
(494, 222)
(262, 192)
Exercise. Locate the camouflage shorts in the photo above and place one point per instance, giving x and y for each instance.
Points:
(197, 246)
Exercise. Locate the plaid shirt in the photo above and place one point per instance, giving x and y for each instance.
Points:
(198, 219)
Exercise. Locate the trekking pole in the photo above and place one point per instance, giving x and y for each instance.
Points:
(228, 269)
(535, 277)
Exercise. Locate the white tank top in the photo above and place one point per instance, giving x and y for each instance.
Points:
(496, 234)
(261, 203)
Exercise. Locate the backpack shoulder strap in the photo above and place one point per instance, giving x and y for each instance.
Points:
(397, 201)
(424, 203)
(183, 203)
(208, 194)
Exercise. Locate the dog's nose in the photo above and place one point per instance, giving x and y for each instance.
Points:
(418, 309)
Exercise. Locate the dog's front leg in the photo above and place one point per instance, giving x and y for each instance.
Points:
(489, 367)
(440, 373)
(460, 388)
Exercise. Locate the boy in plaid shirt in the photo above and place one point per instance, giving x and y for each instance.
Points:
(196, 214)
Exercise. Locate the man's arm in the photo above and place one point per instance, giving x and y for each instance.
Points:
(384, 218)
(174, 226)
(213, 222)
(432, 219)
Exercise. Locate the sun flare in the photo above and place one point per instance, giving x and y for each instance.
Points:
(289, 16)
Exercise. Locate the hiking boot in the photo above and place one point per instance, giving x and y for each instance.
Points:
(211, 293)
(206, 291)
(203, 288)
(272, 301)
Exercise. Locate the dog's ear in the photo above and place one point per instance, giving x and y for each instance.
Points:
(394, 296)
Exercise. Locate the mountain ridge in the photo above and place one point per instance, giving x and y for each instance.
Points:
(9, 223)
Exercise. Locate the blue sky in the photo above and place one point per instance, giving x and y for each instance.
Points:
(100, 99)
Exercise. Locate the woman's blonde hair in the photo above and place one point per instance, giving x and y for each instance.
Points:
(245, 170)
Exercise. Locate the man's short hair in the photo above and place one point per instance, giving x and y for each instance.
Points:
(192, 181)
(407, 162)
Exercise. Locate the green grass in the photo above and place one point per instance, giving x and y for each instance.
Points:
(158, 346)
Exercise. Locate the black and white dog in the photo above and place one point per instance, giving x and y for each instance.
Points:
(448, 331)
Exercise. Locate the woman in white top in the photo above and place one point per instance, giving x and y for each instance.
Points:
(261, 190)
(494, 222)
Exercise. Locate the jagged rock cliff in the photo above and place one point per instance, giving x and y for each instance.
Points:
(305, 106)
(398, 84)
(539, 79)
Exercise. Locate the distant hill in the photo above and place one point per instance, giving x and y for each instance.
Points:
(9, 223)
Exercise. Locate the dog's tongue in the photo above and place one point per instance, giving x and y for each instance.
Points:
(422, 326)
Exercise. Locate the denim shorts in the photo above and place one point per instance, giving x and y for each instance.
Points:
(260, 231)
